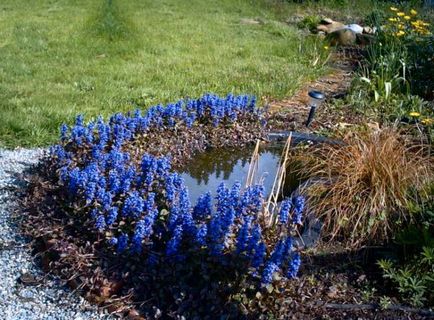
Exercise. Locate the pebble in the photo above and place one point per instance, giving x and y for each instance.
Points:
(50, 300)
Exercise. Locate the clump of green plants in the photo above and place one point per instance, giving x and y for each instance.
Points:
(413, 273)
(317, 54)
(366, 184)
(309, 22)
(375, 18)
(414, 280)
(397, 67)
(413, 276)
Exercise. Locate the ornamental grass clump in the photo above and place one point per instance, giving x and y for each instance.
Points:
(365, 186)
(133, 210)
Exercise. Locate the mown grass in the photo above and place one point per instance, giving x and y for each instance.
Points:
(61, 58)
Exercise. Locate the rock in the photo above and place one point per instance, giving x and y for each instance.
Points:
(354, 27)
(322, 28)
(35, 296)
(332, 292)
(28, 279)
(330, 27)
(342, 37)
(326, 21)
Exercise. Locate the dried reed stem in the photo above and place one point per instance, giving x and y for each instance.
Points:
(253, 167)
(279, 181)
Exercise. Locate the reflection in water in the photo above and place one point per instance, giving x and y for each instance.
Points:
(207, 170)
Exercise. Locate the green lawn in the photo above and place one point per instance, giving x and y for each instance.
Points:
(61, 58)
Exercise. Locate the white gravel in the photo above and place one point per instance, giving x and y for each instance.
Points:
(48, 299)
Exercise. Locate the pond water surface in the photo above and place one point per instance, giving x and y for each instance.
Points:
(207, 170)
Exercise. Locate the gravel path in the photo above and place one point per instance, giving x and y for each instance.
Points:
(46, 298)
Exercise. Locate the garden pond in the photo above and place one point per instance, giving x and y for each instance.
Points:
(205, 171)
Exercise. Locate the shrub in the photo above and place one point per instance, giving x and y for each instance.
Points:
(366, 185)
(136, 207)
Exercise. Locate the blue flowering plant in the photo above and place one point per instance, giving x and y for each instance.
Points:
(116, 193)
(199, 123)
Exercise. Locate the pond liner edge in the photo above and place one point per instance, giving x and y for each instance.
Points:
(298, 137)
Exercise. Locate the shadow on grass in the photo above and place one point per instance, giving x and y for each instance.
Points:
(111, 23)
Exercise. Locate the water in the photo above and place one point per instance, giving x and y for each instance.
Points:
(207, 170)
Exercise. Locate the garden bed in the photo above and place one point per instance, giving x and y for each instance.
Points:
(76, 244)
(71, 245)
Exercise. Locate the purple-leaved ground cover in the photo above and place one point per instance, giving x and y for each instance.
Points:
(134, 206)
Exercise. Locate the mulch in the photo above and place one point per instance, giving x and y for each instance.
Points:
(291, 114)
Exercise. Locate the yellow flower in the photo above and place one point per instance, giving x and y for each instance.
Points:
(400, 33)
(427, 121)
(393, 9)
(420, 23)
(326, 47)
(401, 14)
(414, 114)
(413, 12)
(401, 26)
(393, 19)
(407, 17)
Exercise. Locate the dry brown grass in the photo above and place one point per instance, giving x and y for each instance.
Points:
(367, 185)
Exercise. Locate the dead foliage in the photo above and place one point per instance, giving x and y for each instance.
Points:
(361, 190)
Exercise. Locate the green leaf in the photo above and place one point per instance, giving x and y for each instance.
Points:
(388, 89)
(364, 79)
